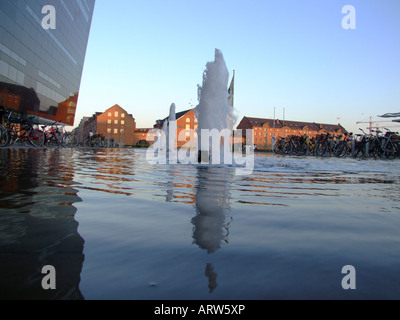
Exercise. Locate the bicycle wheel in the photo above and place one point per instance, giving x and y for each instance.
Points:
(339, 150)
(74, 141)
(322, 149)
(35, 138)
(97, 143)
(277, 148)
(52, 142)
(70, 141)
(287, 148)
(4, 137)
(89, 143)
(301, 149)
(390, 151)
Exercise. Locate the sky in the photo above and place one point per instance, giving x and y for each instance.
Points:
(292, 59)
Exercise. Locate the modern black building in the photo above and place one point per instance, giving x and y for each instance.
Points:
(42, 50)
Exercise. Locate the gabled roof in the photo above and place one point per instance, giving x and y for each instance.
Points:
(177, 116)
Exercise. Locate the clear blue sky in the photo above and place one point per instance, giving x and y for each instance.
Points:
(145, 55)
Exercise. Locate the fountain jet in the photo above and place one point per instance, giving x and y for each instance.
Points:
(213, 111)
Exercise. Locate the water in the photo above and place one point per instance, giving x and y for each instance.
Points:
(213, 111)
(116, 227)
(168, 136)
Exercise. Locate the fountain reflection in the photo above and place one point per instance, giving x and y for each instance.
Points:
(37, 225)
(211, 225)
(212, 277)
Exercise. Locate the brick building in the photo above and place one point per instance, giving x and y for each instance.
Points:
(143, 137)
(185, 120)
(265, 129)
(114, 123)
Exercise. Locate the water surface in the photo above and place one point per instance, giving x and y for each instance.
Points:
(116, 227)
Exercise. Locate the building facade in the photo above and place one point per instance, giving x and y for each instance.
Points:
(144, 137)
(42, 50)
(114, 123)
(186, 122)
(117, 124)
(264, 130)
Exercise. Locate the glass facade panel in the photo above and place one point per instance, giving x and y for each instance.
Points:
(43, 67)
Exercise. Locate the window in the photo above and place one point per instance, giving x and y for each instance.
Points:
(188, 127)
(116, 114)
(122, 115)
(187, 120)
(109, 121)
(115, 121)
(122, 131)
(115, 131)
(108, 130)
(109, 114)
(122, 122)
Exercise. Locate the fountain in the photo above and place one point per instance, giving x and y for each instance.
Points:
(214, 115)
(169, 129)
(216, 119)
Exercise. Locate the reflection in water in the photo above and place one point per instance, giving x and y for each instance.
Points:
(323, 214)
(212, 277)
(37, 225)
(212, 203)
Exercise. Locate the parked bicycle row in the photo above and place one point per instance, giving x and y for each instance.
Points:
(378, 144)
(22, 131)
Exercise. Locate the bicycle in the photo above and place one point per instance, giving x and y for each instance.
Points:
(318, 143)
(341, 147)
(95, 141)
(290, 145)
(52, 135)
(304, 146)
(70, 140)
(385, 145)
(280, 146)
(362, 145)
(18, 130)
(326, 145)
(3, 136)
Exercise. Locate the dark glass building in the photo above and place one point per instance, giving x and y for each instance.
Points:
(42, 51)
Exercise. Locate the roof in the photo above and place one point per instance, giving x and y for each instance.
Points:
(177, 116)
(143, 130)
(296, 125)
